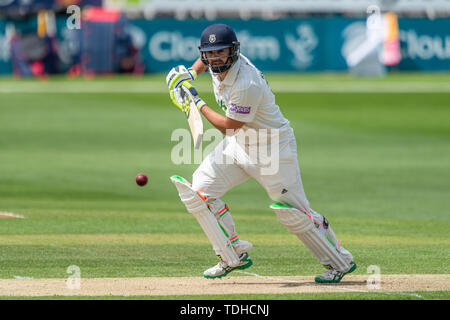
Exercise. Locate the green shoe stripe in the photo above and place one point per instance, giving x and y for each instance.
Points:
(353, 268)
(320, 280)
(245, 266)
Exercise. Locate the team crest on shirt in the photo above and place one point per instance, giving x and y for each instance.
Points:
(212, 38)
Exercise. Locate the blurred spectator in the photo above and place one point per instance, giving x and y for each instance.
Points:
(32, 53)
(106, 45)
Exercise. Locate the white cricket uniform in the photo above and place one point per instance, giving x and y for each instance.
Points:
(246, 96)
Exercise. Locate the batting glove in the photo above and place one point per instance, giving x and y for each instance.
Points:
(180, 101)
(185, 95)
(199, 103)
(179, 75)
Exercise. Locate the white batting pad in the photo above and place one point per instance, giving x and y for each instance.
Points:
(301, 225)
(195, 205)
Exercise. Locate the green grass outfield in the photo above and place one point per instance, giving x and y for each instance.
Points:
(374, 156)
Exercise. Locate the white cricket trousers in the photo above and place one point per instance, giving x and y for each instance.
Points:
(214, 178)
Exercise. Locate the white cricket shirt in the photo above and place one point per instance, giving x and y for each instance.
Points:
(246, 96)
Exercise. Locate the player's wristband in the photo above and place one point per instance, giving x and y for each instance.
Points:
(200, 104)
(192, 73)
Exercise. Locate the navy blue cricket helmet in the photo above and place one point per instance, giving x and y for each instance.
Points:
(218, 37)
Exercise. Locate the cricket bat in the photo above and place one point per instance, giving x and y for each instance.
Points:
(193, 116)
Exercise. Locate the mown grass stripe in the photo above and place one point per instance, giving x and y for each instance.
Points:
(192, 239)
(157, 85)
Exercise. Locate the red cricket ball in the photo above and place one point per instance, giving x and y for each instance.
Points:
(141, 179)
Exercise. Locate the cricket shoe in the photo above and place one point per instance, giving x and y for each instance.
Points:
(222, 269)
(332, 275)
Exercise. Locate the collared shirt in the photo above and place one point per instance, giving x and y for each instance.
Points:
(246, 96)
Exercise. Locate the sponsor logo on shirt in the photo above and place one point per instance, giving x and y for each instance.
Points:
(239, 109)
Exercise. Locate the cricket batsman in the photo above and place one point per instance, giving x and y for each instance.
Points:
(249, 105)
